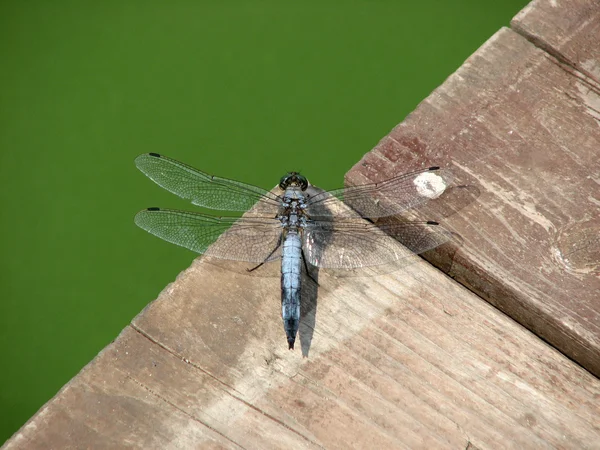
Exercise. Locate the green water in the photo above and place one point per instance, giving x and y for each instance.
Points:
(246, 90)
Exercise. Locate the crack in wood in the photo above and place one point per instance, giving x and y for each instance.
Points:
(170, 403)
(181, 357)
(238, 398)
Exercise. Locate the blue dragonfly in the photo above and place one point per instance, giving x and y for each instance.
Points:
(298, 224)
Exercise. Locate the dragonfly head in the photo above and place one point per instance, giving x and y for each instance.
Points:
(293, 179)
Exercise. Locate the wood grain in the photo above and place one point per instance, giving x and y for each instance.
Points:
(405, 357)
(409, 359)
(515, 123)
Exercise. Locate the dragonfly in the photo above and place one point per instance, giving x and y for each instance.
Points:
(295, 223)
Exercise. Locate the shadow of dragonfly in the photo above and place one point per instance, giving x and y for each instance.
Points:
(299, 225)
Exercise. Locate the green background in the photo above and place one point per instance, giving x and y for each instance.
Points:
(245, 90)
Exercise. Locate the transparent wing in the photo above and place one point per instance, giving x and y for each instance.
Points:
(383, 199)
(204, 189)
(357, 243)
(238, 239)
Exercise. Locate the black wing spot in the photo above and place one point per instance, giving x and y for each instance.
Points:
(154, 208)
(156, 155)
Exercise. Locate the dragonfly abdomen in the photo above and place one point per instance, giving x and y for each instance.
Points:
(291, 273)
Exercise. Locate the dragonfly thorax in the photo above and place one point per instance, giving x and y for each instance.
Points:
(291, 213)
(293, 221)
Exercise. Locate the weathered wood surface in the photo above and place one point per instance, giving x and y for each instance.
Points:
(410, 359)
(568, 30)
(524, 128)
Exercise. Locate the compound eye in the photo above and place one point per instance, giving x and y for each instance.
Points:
(302, 181)
(284, 182)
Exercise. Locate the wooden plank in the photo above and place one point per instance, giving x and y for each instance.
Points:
(523, 128)
(409, 359)
(569, 31)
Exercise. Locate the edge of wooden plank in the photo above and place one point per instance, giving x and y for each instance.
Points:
(417, 139)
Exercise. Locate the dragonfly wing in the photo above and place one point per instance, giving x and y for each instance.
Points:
(383, 199)
(356, 243)
(203, 189)
(238, 239)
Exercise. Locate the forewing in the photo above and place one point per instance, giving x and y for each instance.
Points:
(383, 199)
(354, 243)
(203, 189)
(238, 239)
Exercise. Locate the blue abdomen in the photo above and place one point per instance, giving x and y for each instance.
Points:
(291, 273)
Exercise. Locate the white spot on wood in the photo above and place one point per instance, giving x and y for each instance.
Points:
(430, 185)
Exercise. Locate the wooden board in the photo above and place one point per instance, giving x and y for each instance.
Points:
(524, 129)
(409, 359)
(569, 31)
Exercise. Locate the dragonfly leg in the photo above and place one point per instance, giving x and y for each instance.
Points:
(267, 258)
